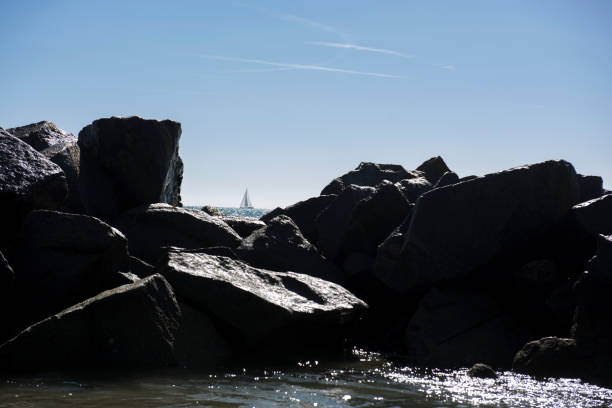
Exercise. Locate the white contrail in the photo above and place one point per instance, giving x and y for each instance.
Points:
(361, 48)
(300, 66)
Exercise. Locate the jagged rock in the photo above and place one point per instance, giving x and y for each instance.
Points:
(212, 210)
(7, 290)
(333, 222)
(198, 343)
(457, 327)
(280, 246)
(370, 175)
(244, 226)
(303, 213)
(549, 357)
(130, 326)
(128, 162)
(374, 218)
(448, 178)
(459, 228)
(389, 251)
(42, 135)
(414, 188)
(468, 178)
(479, 370)
(62, 259)
(151, 227)
(257, 307)
(28, 181)
(4, 132)
(433, 169)
(590, 187)
(595, 215)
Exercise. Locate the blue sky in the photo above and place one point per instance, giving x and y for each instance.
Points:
(283, 96)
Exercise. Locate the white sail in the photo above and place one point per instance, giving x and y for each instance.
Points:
(246, 202)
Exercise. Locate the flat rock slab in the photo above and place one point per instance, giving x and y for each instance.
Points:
(133, 325)
(259, 304)
(152, 227)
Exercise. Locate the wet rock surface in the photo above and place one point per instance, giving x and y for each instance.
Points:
(479, 370)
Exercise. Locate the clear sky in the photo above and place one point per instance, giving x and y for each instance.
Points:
(283, 96)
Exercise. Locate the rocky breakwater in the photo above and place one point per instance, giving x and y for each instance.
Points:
(101, 267)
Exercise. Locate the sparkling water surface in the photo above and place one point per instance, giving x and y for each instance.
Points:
(246, 212)
(369, 381)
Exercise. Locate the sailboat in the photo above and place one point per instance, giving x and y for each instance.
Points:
(246, 202)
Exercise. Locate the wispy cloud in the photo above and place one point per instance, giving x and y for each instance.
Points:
(300, 66)
(361, 48)
(448, 67)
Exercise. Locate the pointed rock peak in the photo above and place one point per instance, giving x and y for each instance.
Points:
(433, 168)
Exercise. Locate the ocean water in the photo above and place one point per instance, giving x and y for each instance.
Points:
(366, 381)
(246, 212)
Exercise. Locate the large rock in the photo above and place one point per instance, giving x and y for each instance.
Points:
(333, 222)
(244, 226)
(368, 174)
(258, 307)
(459, 228)
(280, 246)
(42, 135)
(550, 357)
(130, 326)
(303, 213)
(590, 187)
(433, 169)
(458, 327)
(63, 259)
(448, 178)
(7, 291)
(595, 215)
(28, 181)
(68, 157)
(150, 228)
(128, 162)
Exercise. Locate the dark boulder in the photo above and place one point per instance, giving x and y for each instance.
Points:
(28, 181)
(368, 174)
(303, 213)
(133, 325)
(448, 178)
(280, 246)
(141, 268)
(433, 169)
(549, 357)
(595, 216)
(468, 178)
(270, 310)
(457, 327)
(198, 342)
(333, 222)
(7, 291)
(68, 157)
(462, 227)
(590, 187)
(128, 162)
(592, 327)
(389, 251)
(244, 226)
(374, 218)
(63, 259)
(42, 135)
(151, 227)
(211, 210)
(414, 188)
(480, 370)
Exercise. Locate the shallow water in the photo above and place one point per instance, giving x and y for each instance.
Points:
(368, 382)
(245, 212)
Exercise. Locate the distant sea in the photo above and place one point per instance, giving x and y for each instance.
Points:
(246, 212)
